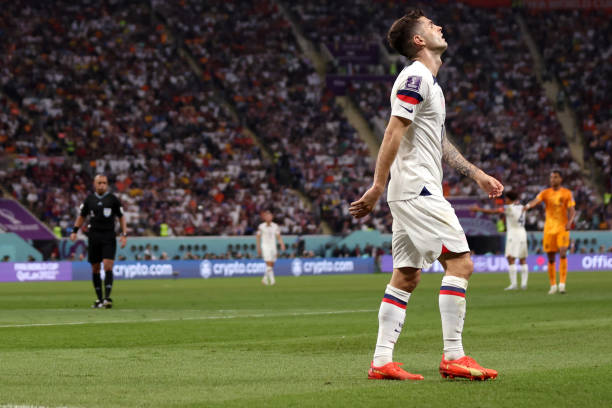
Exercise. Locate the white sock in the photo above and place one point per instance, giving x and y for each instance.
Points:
(524, 275)
(452, 312)
(512, 273)
(270, 275)
(390, 322)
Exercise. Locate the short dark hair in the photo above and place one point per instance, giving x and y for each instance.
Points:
(402, 31)
(557, 171)
(512, 195)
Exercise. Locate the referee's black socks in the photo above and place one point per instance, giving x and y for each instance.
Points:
(97, 282)
(108, 282)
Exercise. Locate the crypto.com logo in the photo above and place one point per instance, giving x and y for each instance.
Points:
(206, 269)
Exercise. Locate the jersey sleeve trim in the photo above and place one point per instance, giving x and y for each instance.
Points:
(411, 97)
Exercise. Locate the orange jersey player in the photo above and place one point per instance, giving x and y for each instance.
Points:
(560, 214)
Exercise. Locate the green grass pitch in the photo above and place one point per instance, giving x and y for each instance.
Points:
(306, 342)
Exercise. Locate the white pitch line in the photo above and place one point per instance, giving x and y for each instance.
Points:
(27, 406)
(257, 315)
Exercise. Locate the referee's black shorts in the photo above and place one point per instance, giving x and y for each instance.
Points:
(102, 245)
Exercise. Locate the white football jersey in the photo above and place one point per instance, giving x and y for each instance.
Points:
(515, 217)
(417, 96)
(268, 234)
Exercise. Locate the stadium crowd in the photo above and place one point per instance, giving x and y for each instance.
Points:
(110, 93)
(493, 99)
(577, 51)
(106, 88)
(251, 49)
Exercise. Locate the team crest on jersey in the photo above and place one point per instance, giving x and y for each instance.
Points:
(107, 212)
(413, 83)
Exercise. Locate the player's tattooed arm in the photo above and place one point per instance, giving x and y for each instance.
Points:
(451, 155)
(455, 159)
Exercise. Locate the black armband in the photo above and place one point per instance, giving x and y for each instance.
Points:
(75, 229)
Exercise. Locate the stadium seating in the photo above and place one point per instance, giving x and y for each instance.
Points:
(496, 111)
(110, 93)
(277, 93)
(108, 89)
(577, 52)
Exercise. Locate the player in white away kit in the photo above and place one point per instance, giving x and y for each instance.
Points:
(516, 237)
(425, 227)
(267, 234)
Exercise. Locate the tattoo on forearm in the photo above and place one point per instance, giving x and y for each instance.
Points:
(455, 159)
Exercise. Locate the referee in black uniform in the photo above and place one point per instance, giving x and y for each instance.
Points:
(102, 207)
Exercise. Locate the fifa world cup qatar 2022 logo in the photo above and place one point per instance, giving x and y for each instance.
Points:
(10, 216)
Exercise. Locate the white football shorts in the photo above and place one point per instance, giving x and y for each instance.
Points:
(516, 244)
(269, 253)
(421, 226)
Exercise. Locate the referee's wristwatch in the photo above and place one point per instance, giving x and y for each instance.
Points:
(123, 234)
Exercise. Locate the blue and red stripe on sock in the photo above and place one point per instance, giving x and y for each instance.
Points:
(452, 290)
(394, 301)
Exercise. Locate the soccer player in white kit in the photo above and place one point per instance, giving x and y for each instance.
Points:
(516, 237)
(425, 227)
(267, 234)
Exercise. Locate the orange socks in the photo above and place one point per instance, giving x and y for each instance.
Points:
(552, 272)
(562, 270)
